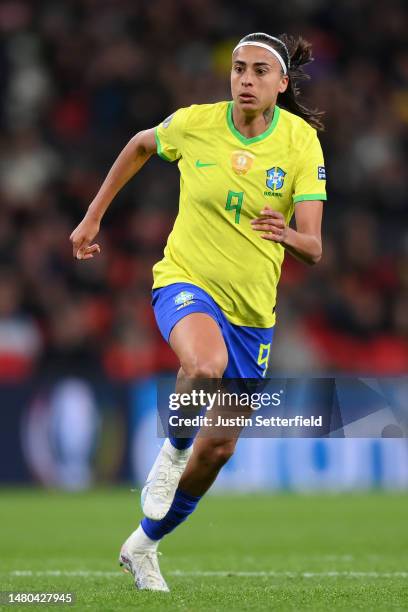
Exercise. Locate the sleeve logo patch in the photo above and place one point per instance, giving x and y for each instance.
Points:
(321, 173)
(167, 121)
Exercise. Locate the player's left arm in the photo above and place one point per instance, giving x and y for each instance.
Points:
(309, 192)
(304, 242)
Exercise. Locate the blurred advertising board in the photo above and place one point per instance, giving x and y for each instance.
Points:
(76, 432)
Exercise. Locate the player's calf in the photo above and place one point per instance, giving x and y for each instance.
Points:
(209, 455)
(164, 477)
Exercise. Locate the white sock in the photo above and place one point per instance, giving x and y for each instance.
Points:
(138, 539)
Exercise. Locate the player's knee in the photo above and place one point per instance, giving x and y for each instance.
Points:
(206, 367)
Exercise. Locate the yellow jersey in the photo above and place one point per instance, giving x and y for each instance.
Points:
(226, 179)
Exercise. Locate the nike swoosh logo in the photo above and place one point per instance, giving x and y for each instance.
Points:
(201, 165)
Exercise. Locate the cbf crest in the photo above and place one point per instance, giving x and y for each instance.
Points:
(275, 177)
(184, 298)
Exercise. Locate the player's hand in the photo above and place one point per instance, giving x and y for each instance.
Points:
(272, 225)
(82, 237)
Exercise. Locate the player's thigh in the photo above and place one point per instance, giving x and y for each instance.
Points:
(198, 343)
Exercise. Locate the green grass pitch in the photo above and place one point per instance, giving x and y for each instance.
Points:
(238, 552)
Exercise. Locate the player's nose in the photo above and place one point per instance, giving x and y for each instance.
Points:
(246, 81)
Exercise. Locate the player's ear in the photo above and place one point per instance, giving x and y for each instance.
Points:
(284, 82)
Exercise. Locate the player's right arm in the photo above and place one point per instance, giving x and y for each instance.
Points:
(130, 160)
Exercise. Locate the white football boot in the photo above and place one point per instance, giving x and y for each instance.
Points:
(140, 559)
(162, 481)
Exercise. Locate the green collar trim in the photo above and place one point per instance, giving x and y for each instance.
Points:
(241, 137)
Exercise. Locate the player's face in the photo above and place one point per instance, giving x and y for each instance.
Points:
(256, 79)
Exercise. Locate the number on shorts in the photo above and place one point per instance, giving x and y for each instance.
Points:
(263, 357)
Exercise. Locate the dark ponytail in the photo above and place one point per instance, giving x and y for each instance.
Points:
(296, 53)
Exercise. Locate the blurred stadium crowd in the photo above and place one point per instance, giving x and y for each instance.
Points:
(80, 77)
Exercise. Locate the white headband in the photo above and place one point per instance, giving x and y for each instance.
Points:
(254, 43)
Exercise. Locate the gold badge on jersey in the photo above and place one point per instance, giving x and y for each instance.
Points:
(242, 161)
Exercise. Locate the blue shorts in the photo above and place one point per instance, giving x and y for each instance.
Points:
(248, 347)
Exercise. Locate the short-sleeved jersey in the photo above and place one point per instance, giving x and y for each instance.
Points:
(226, 180)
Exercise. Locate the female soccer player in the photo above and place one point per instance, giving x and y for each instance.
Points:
(246, 166)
